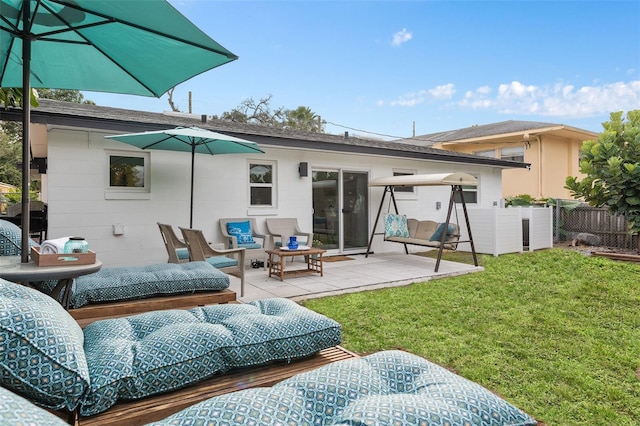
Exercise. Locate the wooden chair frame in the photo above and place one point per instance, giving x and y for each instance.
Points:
(200, 250)
(172, 243)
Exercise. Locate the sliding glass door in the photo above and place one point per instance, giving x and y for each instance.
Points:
(340, 210)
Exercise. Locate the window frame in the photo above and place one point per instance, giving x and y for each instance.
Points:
(512, 157)
(127, 192)
(273, 165)
(466, 189)
(404, 191)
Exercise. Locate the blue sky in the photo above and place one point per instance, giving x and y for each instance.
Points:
(381, 66)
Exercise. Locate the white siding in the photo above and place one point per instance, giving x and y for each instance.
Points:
(77, 205)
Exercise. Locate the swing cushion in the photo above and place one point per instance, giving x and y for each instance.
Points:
(437, 235)
(395, 226)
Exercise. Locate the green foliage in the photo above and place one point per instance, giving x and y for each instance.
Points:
(612, 168)
(13, 97)
(554, 332)
(260, 112)
(10, 155)
(64, 95)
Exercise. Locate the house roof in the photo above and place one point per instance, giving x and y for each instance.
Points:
(72, 114)
(501, 131)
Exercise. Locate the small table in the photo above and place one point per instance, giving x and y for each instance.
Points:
(277, 262)
(30, 272)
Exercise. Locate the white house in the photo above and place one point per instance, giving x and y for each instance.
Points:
(321, 179)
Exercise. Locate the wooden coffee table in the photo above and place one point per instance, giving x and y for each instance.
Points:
(277, 262)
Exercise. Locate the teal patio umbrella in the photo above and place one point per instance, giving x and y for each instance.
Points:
(117, 46)
(193, 140)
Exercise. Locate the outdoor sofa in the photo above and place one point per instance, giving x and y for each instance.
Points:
(115, 291)
(51, 361)
(389, 388)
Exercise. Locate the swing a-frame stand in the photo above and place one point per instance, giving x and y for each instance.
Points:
(455, 180)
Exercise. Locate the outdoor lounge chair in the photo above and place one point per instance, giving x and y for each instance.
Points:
(244, 233)
(229, 261)
(176, 248)
(280, 229)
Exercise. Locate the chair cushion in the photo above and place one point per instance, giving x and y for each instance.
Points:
(437, 235)
(384, 389)
(11, 239)
(112, 284)
(182, 253)
(250, 246)
(221, 261)
(156, 352)
(395, 225)
(242, 231)
(41, 348)
(15, 410)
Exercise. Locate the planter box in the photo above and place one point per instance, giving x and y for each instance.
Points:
(62, 259)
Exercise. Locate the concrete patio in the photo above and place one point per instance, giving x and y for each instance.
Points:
(346, 276)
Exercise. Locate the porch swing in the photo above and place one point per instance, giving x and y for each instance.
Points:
(426, 233)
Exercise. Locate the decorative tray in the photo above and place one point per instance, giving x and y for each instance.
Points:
(285, 248)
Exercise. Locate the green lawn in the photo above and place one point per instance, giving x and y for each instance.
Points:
(555, 332)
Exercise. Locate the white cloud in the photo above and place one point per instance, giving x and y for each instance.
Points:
(445, 91)
(401, 37)
(442, 92)
(559, 100)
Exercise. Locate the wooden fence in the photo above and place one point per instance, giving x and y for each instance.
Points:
(611, 229)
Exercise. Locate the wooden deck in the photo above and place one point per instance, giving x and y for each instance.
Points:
(90, 313)
(158, 407)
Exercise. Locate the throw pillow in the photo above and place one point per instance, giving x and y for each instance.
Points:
(395, 226)
(41, 349)
(241, 230)
(438, 234)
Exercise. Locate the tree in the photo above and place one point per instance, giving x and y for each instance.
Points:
(64, 95)
(250, 111)
(612, 168)
(302, 118)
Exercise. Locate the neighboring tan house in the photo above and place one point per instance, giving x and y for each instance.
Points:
(320, 179)
(553, 150)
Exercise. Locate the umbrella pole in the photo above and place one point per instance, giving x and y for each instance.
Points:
(26, 137)
(193, 160)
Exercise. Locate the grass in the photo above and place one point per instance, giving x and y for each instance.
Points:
(554, 332)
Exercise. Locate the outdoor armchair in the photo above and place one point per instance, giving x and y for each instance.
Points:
(176, 248)
(280, 229)
(229, 261)
(244, 233)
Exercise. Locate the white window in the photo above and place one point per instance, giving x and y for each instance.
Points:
(404, 189)
(515, 153)
(128, 175)
(261, 184)
(490, 153)
(470, 193)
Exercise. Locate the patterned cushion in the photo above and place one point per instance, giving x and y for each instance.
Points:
(182, 253)
(437, 235)
(137, 282)
(155, 352)
(391, 388)
(242, 231)
(15, 410)
(395, 226)
(11, 239)
(41, 348)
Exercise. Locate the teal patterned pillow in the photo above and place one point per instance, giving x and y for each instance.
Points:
(141, 355)
(242, 231)
(15, 410)
(390, 388)
(11, 239)
(395, 226)
(41, 348)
